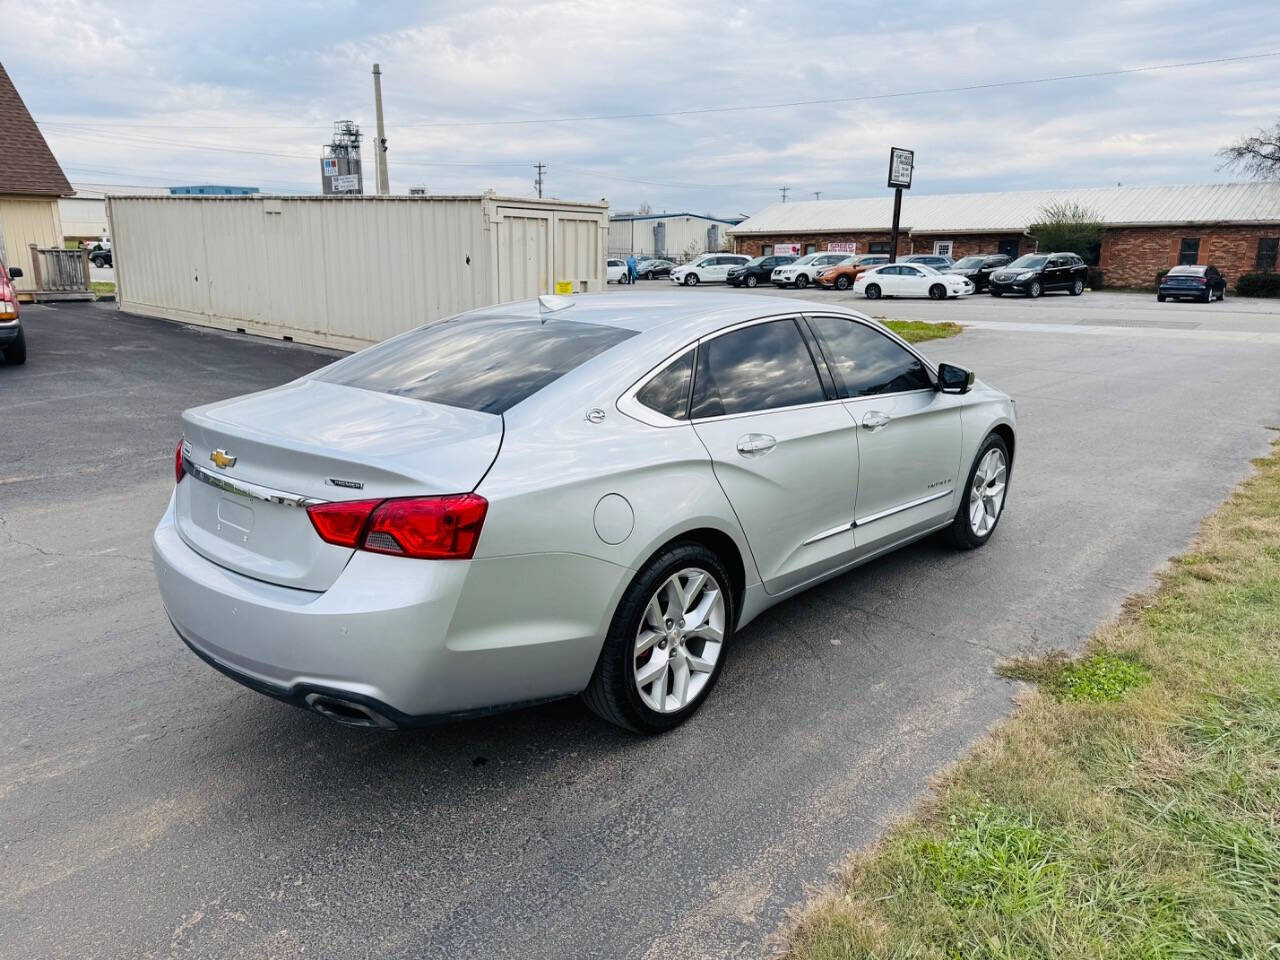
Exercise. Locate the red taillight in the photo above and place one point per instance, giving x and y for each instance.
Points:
(178, 470)
(433, 528)
(342, 522)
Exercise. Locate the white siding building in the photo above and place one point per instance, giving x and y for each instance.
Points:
(671, 235)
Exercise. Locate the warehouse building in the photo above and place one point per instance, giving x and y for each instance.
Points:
(675, 236)
(30, 184)
(1234, 226)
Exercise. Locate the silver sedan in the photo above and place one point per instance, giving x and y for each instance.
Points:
(562, 496)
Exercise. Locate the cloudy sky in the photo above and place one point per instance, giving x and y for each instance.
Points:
(166, 93)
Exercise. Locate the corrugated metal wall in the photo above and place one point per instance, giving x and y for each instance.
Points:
(344, 272)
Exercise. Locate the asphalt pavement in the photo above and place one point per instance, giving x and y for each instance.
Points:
(149, 807)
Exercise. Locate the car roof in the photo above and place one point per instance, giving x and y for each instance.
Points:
(664, 322)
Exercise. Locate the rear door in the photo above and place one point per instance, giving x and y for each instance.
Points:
(783, 447)
(909, 433)
(1057, 273)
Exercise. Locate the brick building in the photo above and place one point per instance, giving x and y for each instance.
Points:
(1234, 226)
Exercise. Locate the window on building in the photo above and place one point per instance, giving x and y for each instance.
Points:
(878, 246)
(1267, 248)
(810, 248)
(1189, 251)
(766, 250)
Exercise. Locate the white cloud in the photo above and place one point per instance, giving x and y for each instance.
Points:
(247, 93)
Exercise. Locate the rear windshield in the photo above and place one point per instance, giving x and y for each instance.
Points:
(1187, 271)
(970, 262)
(488, 364)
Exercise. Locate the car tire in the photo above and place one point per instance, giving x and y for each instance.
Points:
(842, 282)
(617, 692)
(937, 292)
(873, 291)
(969, 530)
(1077, 288)
(691, 279)
(15, 353)
(1035, 289)
(752, 281)
(802, 281)
(996, 293)
(1160, 298)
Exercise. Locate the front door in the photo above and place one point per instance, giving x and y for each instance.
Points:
(785, 454)
(909, 433)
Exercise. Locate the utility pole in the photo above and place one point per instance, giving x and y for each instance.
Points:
(537, 182)
(817, 194)
(384, 184)
(784, 191)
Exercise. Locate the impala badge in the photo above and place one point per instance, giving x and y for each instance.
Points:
(221, 459)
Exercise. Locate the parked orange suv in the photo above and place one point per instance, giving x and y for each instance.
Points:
(841, 277)
(13, 345)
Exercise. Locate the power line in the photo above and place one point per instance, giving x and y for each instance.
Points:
(932, 91)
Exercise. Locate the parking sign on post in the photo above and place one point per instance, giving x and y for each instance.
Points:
(901, 165)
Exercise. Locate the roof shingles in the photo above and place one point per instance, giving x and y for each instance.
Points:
(27, 165)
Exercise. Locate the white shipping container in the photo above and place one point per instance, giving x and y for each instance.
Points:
(346, 271)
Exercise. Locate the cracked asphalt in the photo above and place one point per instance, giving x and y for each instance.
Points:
(149, 807)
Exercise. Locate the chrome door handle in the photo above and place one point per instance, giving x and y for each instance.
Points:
(756, 444)
(875, 420)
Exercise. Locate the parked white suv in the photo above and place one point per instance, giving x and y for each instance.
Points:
(802, 272)
(708, 268)
(617, 272)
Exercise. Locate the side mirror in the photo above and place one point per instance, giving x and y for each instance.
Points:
(953, 379)
(15, 273)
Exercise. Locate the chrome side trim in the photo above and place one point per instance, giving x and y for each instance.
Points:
(244, 488)
(827, 534)
(905, 506)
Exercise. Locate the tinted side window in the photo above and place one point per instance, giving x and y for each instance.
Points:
(761, 367)
(667, 392)
(488, 365)
(866, 361)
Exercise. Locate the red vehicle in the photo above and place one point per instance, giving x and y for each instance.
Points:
(13, 345)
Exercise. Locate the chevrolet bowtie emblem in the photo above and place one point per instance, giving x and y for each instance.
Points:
(221, 459)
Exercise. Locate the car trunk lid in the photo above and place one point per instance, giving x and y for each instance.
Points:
(257, 461)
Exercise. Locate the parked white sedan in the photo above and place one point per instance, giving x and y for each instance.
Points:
(911, 280)
(709, 268)
(616, 272)
(560, 497)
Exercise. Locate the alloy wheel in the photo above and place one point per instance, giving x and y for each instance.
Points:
(751, 280)
(986, 496)
(679, 640)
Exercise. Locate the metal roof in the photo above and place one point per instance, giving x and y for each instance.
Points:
(1014, 212)
(672, 216)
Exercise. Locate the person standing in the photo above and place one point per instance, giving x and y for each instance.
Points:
(631, 268)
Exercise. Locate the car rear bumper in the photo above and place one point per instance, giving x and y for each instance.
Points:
(1197, 292)
(414, 641)
(9, 330)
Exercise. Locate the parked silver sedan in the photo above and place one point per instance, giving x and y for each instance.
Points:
(562, 496)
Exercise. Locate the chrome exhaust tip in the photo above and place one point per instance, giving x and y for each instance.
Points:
(347, 712)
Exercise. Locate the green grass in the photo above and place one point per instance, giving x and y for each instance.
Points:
(1131, 806)
(914, 331)
(102, 287)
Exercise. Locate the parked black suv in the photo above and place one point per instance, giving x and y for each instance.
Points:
(979, 267)
(755, 272)
(1035, 273)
